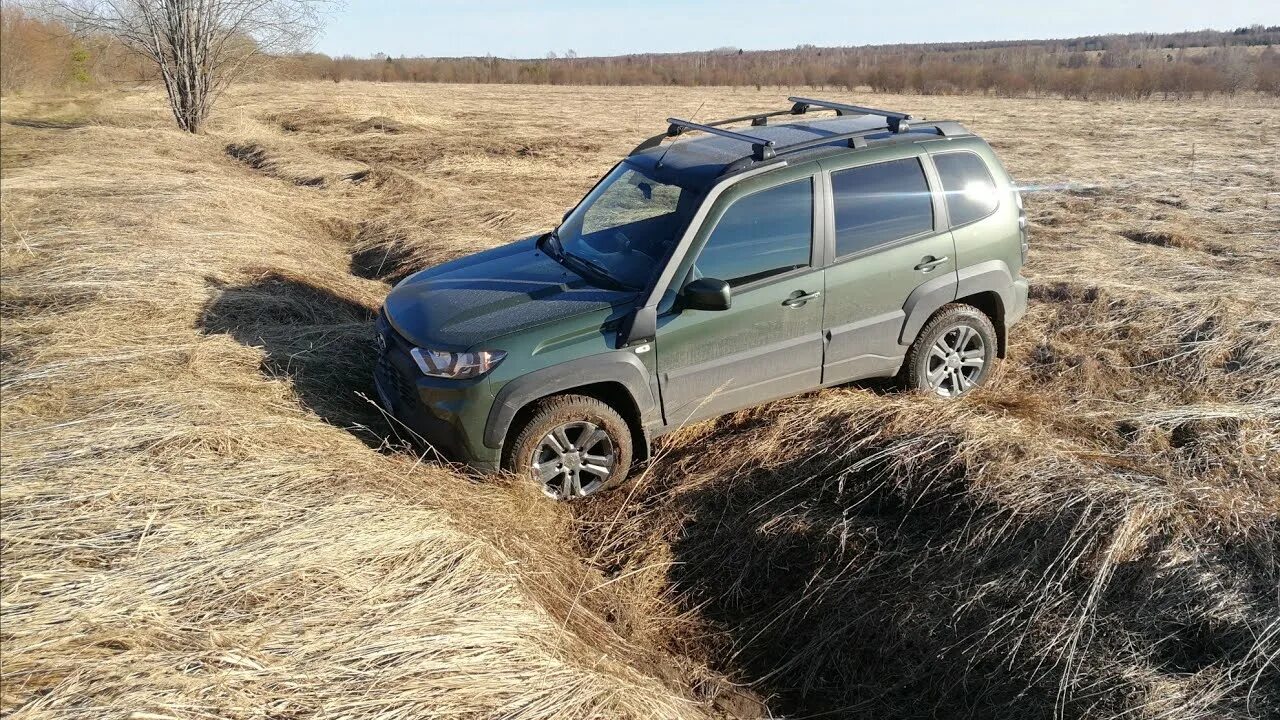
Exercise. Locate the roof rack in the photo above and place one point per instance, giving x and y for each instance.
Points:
(764, 149)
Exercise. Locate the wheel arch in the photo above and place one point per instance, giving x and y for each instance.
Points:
(611, 393)
(991, 305)
(618, 379)
(987, 286)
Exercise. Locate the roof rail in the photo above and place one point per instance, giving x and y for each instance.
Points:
(858, 138)
(761, 148)
(950, 128)
(855, 139)
(897, 122)
(756, 119)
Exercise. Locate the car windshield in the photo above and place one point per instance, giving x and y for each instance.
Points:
(624, 228)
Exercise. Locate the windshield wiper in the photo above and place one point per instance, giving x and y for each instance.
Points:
(595, 268)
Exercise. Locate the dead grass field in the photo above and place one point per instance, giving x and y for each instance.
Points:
(203, 517)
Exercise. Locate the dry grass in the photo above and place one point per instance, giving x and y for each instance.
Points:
(202, 517)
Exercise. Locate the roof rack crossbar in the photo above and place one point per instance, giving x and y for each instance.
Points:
(761, 148)
(757, 120)
(897, 122)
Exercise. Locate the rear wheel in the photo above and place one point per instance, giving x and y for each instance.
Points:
(954, 353)
(572, 446)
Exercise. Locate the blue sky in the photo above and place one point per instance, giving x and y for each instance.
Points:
(531, 29)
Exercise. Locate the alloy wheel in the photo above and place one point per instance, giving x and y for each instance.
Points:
(956, 361)
(573, 460)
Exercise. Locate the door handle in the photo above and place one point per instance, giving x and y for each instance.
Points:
(928, 263)
(799, 298)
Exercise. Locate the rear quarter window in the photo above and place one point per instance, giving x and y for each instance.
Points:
(970, 190)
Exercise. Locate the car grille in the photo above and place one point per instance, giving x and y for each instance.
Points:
(394, 383)
(398, 388)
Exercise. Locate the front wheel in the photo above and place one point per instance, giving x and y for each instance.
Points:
(953, 354)
(572, 446)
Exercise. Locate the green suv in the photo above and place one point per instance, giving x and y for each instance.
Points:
(709, 274)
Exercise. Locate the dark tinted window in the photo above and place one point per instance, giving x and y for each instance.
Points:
(762, 234)
(880, 203)
(971, 193)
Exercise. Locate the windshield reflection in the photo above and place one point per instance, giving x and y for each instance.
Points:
(625, 227)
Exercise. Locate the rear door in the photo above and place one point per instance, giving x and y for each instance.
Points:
(768, 344)
(889, 249)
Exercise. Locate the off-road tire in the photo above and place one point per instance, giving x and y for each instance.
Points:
(942, 331)
(557, 412)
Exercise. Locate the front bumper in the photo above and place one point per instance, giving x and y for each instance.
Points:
(438, 413)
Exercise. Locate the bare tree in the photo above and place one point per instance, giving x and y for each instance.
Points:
(199, 46)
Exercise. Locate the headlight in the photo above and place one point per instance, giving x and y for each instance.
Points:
(458, 366)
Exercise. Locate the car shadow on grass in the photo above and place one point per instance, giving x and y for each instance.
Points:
(824, 592)
(321, 342)
(895, 592)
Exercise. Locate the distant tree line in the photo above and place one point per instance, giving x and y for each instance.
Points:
(1112, 66)
(39, 53)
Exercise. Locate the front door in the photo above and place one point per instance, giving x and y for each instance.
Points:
(768, 344)
(889, 242)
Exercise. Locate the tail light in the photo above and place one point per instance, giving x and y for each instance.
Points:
(1022, 225)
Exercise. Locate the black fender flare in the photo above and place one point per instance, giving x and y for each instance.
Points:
(923, 302)
(990, 276)
(619, 366)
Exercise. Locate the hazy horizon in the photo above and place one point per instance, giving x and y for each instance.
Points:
(517, 30)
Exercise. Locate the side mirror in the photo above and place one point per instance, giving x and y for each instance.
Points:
(706, 294)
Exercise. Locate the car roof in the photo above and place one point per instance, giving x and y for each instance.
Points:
(697, 162)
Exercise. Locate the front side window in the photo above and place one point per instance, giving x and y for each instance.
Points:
(762, 234)
(880, 203)
(625, 226)
(970, 189)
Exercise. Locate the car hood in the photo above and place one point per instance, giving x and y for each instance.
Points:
(477, 298)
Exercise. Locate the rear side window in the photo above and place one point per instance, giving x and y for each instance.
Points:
(970, 189)
(877, 204)
(763, 234)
